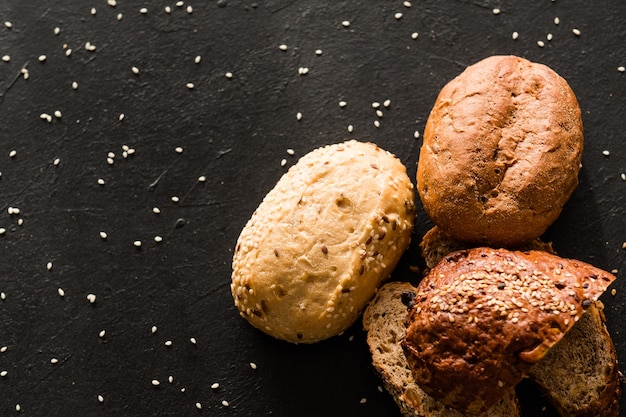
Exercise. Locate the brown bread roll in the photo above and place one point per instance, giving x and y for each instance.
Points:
(502, 151)
(482, 317)
(322, 241)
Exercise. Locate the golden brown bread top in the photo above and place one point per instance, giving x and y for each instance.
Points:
(483, 316)
(502, 151)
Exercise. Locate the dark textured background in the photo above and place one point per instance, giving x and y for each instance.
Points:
(236, 132)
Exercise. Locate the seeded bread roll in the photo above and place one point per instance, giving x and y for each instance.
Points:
(321, 242)
(383, 321)
(482, 317)
(502, 151)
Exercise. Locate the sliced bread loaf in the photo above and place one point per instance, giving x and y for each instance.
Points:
(579, 375)
(383, 321)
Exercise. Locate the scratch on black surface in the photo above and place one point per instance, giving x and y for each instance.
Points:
(154, 183)
(222, 153)
(12, 83)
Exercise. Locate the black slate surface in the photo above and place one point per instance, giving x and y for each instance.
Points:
(235, 132)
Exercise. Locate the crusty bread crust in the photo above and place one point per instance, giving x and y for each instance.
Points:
(321, 242)
(436, 244)
(383, 321)
(482, 317)
(502, 151)
(579, 375)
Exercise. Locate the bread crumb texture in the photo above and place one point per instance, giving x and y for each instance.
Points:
(502, 150)
(322, 240)
(482, 317)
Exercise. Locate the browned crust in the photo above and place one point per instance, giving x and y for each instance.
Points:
(502, 151)
(483, 316)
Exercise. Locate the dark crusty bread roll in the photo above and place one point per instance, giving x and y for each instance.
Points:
(383, 320)
(482, 317)
(579, 375)
(436, 244)
(502, 151)
(322, 240)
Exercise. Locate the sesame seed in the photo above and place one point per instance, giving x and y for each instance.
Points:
(283, 162)
(153, 329)
(342, 103)
(298, 116)
(303, 70)
(407, 4)
(120, 16)
(201, 178)
(345, 23)
(74, 85)
(6, 58)
(156, 382)
(3, 348)
(54, 360)
(189, 9)
(178, 149)
(49, 266)
(613, 292)
(120, 118)
(623, 176)
(112, 3)
(225, 403)
(496, 11)
(414, 35)
(515, 35)
(363, 400)
(2, 231)
(557, 20)
(416, 134)
(621, 68)
(56, 161)
(549, 36)
(168, 9)
(102, 333)
(350, 128)
(89, 46)
(110, 161)
(282, 47)
(375, 105)
(387, 103)
(12, 153)
(190, 86)
(576, 32)
(3, 296)
(215, 385)
(170, 379)
(252, 365)
(8, 24)
(91, 298)
(197, 59)
(18, 408)
(198, 406)
(58, 114)
(93, 10)
(606, 152)
(180, 3)
(540, 44)
(57, 30)
(100, 398)
(156, 210)
(100, 181)
(175, 199)
(135, 70)
(137, 243)
(46, 117)
(143, 10)
(398, 16)
(193, 340)
(4, 373)
(318, 52)
(291, 151)
(229, 75)
(42, 58)
(158, 239)
(376, 123)
(379, 113)
(61, 292)
(168, 343)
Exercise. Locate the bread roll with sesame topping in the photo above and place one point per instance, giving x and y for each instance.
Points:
(482, 317)
(322, 241)
(502, 150)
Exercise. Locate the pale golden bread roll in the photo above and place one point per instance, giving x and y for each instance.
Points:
(483, 317)
(502, 151)
(321, 242)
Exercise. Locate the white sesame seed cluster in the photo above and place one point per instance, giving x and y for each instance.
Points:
(322, 240)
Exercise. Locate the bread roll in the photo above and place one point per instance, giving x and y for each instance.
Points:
(502, 151)
(482, 317)
(321, 242)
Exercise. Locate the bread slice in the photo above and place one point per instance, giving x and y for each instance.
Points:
(383, 321)
(579, 375)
